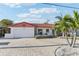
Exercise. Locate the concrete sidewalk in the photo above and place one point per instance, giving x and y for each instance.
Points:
(31, 46)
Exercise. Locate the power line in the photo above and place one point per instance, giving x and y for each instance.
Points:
(60, 5)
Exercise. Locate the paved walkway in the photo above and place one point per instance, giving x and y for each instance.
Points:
(31, 47)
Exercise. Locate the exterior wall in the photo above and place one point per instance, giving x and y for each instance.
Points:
(44, 31)
(17, 32)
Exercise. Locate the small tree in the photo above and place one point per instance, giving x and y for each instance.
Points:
(6, 22)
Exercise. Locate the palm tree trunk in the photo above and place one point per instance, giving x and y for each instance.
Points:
(73, 38)
(63, 34)
(67, 39)
(55, 33)
(74, 41)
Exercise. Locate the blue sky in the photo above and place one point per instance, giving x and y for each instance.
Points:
(35, 13)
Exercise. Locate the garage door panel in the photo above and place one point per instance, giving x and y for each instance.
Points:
(24, 32)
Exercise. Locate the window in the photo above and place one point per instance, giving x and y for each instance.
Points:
(40, 31)
(53, 31)
(47, 30)
(8, 30)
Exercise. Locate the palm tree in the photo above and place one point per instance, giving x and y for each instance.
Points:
(63, 25)
(67, 23)
(75, 26)
(59, 25)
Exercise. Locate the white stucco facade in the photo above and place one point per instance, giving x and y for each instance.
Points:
(19, 32)
(28, 30)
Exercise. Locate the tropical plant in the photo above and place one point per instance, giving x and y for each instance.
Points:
(75, 26)
(63, 25)
(67, 23)
(6, 22)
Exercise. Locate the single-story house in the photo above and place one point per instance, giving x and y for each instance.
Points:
(28, 30)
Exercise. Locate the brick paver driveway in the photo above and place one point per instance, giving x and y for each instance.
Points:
(30, 46)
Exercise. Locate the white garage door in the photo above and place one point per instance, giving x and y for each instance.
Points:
(23, 32)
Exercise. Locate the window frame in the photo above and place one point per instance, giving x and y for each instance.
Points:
(40, 31)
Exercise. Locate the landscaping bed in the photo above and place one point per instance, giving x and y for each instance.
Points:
(43, 36)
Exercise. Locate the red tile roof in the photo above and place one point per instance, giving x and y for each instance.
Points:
(22, 24)
(44, 25)
(25, 24)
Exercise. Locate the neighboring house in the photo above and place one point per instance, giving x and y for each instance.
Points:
(29, 30)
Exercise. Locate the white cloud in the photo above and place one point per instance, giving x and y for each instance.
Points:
(37, 13)
(37, 20)
(12, 5)
(36, 16)
(33, 20)
(29, 15)
(30, 4)
(23, 15)
(43, 10)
